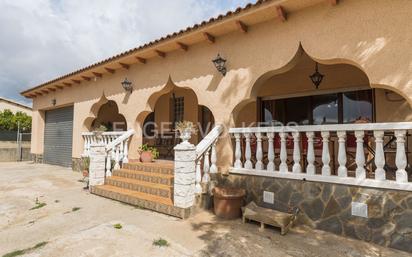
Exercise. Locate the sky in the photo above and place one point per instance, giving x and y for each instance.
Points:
(44, 39)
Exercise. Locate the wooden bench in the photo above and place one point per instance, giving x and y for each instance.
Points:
(271, 217)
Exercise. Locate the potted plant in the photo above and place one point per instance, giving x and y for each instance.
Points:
(98, 131)
(86, 165)
(148, 153)
(186, 129)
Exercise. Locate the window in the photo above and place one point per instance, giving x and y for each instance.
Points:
(179, 109)
(333, 108)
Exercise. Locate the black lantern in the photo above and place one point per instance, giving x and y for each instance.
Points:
(219, 63)
(127, 85)
(316, 77)
(53, 101)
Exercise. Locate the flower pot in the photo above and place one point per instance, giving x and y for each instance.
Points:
(228, 202)
(85, 173)
(146, 156)
(185, 135)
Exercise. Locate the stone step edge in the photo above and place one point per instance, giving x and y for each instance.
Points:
(146, 204)
(150, 177)
(148, 168)
(166, 192)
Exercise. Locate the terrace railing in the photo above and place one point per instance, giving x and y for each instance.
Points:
(289, 152)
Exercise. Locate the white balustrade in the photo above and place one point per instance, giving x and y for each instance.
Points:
(348, 167)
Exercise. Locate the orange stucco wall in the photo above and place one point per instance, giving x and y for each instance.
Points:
(353, 32)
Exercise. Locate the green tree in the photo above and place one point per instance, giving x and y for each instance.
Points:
(10, 121)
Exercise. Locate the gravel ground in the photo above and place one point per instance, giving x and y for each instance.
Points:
(76, 223)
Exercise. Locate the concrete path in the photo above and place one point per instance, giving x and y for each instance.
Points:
(76, 223)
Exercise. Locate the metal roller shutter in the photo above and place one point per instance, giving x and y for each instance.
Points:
(58, 135)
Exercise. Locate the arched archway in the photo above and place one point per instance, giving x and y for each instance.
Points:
(106, 113)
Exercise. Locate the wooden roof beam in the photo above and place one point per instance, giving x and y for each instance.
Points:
(183, 46)
(124, 65)
(242, 26)
(51, 89)
(281, 13)
(59, 87)
(211, 39)
(31, 96)
(38, 93)
(76, 81)
(160, 53)
(112, 71)
(67, 84)
(334, 2)
(45, 91)
(86, 78)
(141, 60)
(97, 74)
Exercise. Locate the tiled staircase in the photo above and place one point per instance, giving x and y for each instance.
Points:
(147, 185)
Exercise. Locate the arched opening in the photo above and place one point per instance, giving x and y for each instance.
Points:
(109, 116)
(171, 105)
(344, 96)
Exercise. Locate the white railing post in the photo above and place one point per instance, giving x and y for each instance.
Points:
(117, 158)
(248, 152)
(360, 155)
(125, 152)
(342, 170)
(259, 152)
(400, 160)
(380, 173)
(296, 153)
(206, 165)
(283, 167)
(310, 169)
(213, 159)
(108, 164)
(325, 154)
(238, 152)
(198, 179)
(271, 152)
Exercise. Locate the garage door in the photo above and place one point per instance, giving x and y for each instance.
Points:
(58, 135)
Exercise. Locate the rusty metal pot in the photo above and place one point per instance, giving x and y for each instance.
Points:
(228, 201)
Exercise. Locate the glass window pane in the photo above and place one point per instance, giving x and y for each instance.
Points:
(297, 110)
(325, 109)
(357, 106)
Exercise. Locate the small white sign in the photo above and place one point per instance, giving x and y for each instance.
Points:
(359, 209)
(268, 197)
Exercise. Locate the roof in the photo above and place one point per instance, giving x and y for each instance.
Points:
(97, 69)
(2, 99)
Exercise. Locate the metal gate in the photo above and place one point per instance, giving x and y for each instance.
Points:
(58, 137)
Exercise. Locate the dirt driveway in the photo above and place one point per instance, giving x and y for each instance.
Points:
(73, 222)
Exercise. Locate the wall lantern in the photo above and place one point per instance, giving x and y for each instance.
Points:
(219, 63)
(53, 101)
(127, 85)
(316, 77)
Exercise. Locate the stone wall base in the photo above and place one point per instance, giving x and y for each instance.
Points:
(328, 207)
(37, 158)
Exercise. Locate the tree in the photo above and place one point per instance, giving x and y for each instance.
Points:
(10, 121)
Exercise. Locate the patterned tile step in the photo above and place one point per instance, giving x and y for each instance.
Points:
(141, 186)
(154, 203)
(160, 167)
(155, 178)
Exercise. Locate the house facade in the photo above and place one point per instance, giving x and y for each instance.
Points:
(14, 106)
(271, 48)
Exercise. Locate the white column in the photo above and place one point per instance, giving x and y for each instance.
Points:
(125, 152)
(360, 155)
(283, 167)
(271, 153)
(185, 175)
(109, 164)
(259, 152)
(380, 173)
(342, 170)
(97, 164)
(325, 153)
(198, 179)
(238, 152)
(400, 160)
(248, 153)
(117, 158)
(85, 145)
(213, 159)
(206, 165)
(310, 169)
(296, 153)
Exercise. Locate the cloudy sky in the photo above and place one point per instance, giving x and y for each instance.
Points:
(43, 39)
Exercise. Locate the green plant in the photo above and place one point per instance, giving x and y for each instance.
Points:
(75, 209)
(101, 128)
(118, 226)
(24, 251)
(146, 148)
(86, 163)
(160, 242)
(10, 121)
(186, 125)
(38, 205)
